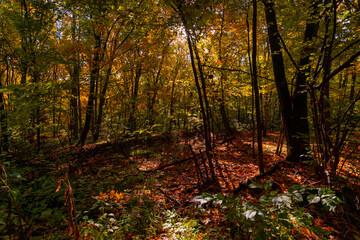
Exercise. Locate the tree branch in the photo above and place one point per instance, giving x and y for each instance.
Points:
(235, 70)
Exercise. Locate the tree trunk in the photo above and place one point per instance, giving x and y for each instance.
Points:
(256, 88)
(280, 80)
(74, 127)
(222, 104)
(300, 107)
(172, 97)
(75, 76)
(101, 104)
(94, 75)
(252, 89)
(4, 137)
(132, 117)
(201, 89)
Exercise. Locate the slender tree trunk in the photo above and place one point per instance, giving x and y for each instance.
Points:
(74, 117)
(101, 104)
(79, 107)
(151, 115)
(256, 88)
(172, 97)
(24, 70)
(266, 115)
(4, 136)
(74, 127)
(132, 117)
(94, 75)
(54, 102)
(37, 112)
(201, 89)
(222, 104)
(206, 101)
(252, 89)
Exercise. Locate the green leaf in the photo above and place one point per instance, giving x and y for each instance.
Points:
(202, 199)
(15, 175)
(221, 196)
(207, 195)
(3, 216)
(287, 224)
(268, 184)
(319, 231)
(282, 200)
(46, 213)
(283, 215)
(329, 204)
(255, 185)
(345, 14)
(250, 214)
(312, 199)
(328, 5)
(298, 188)
(297, 196)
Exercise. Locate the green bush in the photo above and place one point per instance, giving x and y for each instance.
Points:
(176, 227)
(275, 215)
(119, 215)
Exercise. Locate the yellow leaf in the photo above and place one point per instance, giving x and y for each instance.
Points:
(119, 196)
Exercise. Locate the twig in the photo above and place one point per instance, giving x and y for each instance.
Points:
(236, 70)
(167, 196)
(243, 185)
(186, 159)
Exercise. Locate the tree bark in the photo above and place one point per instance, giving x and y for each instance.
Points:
(201, 89)
(132, 117)
(101, 105)
(256, 88)
(222, 104)
(280, 78)
(300, 105)
(4, 137)
(75, 77)
(94, 75)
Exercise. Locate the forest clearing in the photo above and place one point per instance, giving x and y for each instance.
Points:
(179, 119)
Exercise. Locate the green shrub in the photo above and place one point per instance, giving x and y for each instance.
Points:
(276, 215)
(119, 215)
(176, 227)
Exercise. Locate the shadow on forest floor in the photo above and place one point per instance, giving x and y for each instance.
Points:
(117, 167)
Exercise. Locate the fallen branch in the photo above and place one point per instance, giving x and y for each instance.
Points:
(244, 185)
(186, 159)
(167, 196)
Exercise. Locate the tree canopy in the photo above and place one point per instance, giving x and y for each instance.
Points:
(85, 74)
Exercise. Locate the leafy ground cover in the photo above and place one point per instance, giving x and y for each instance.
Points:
(149, 189)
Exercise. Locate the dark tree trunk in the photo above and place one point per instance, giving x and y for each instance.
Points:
(37, 112)
(222, 104)
(280, 80)
(256, 88)
(75, 77)
(101, 104)
(24, 70)
(201, 89)
(132, 117)
(94, 75)
(300, 107)
(172, 97)
(4, 137)
(74, 116)
(151, 114)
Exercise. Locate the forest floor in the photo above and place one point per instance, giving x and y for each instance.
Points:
(145, 189)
